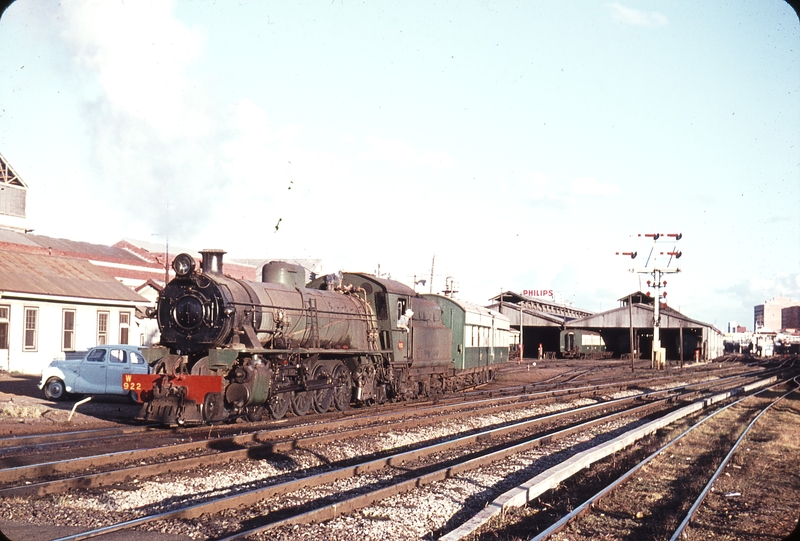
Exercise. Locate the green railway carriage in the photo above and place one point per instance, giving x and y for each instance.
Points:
(481, 336)
(583, 344)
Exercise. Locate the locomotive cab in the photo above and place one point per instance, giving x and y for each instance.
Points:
(414, 343)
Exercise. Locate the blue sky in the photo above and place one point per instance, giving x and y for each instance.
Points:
(516, 145)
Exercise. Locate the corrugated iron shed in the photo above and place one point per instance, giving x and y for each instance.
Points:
(38, 274)
(642, 318)
(54, 246)
(519, 315)
(538, 305)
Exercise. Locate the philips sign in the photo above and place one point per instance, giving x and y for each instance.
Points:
(538, 292)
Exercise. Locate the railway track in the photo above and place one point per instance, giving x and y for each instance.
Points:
(25, 458)
(682, 471)
(21, 479)
(446, 465)
(384, 476)
(39, 443)
(660, 496)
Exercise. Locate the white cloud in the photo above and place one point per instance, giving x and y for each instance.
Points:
(401, 152)
(588, 186)
(141, 57)
(155, 130)
(636, 17)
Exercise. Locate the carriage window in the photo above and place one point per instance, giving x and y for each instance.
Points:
(117, 356)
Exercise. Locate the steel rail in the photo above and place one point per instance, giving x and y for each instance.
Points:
(25, 473)
(185, 464)
(251, 497)
(55, 438)
(425, 414)
(696, 506)
(228, 449)
(52, 438)
(582, 509)
(334, 510)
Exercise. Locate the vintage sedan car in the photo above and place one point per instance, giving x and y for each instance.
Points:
(100, 371)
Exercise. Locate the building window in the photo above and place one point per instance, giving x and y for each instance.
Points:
(4, 327)
(102, 328)
(124, 327)
(68, 331)
(31, 324)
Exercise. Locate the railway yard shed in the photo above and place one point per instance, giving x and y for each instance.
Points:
(540, 322)
(683, 338)
(537, 320)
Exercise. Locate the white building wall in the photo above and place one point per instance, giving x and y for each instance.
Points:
(50, 332)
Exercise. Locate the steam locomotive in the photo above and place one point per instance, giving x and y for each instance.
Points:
(234, 348)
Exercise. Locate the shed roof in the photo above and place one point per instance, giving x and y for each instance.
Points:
(39, 274)
(528, 317)
(642, 317)
(539, 305)
(8, 175)
(63, 247)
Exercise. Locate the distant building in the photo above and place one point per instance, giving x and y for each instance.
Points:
(156, 255)
(790, 318)
(541, 322)
(769, 314)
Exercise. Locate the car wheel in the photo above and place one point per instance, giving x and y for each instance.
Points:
(54, 389)
(133, 396)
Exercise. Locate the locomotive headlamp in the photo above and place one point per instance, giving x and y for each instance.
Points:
(183, 265)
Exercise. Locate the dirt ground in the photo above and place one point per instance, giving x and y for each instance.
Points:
(25, 410)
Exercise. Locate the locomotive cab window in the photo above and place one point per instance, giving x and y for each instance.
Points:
(401, 307)
(380, 305)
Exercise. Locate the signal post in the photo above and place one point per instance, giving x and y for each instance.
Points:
(657, 271)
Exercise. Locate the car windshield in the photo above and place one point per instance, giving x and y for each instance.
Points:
(96, 356)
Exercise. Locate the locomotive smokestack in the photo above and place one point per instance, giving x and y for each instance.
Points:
(212, 260)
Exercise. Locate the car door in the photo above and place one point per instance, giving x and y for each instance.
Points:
(92, 372)
(118, 364)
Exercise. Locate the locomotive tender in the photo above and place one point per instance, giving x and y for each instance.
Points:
(235, 348)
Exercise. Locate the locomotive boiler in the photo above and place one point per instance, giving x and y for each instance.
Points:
(237, 348)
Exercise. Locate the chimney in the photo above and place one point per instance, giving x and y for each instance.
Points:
(212, 260)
